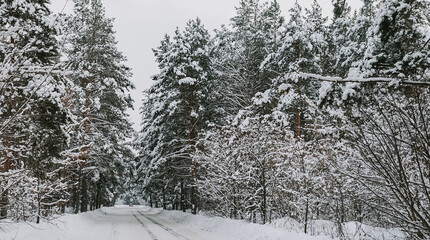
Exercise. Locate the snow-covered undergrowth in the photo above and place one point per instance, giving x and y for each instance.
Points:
(350, 230)
(120, 223)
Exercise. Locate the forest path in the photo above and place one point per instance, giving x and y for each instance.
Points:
(162, 228)
(137, 223)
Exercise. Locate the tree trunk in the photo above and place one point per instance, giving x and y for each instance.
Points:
(77, 202)
(306, 215)
(84, 155)
(234, 204)
(38, 201)
(194, 200)
(4, 197)
(264, 207)
(3, 204)
(84, 196)
(164, 199)
(299, 111)
(151, 200)
(182, 198)
(98, 196)
(77, 193)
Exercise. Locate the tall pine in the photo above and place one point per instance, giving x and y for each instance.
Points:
(32, 114)
(99, 102)
(175, 111)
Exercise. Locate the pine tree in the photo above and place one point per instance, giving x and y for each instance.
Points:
(397, 41)
(99, 103)
(348, 42)
(176, 109)
(32, 112)
(241, 51)
(337, 39)
(303, 48)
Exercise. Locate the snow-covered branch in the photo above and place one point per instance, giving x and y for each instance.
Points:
(364, 80)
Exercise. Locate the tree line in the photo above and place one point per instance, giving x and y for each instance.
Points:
(63, 101)
(302, 118)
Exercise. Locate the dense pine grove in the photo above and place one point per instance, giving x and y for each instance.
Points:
(304, 117)
(270, 117)
(63, 97)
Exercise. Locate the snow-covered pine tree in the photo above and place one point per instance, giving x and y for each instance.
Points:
(348, 43)
(302, 50)
(195, 88)
(337, 37)
(240, 51)
(32, 112)
(306, 48)
(354, 48)
(100, 102)
(175, 111)
(398, 41)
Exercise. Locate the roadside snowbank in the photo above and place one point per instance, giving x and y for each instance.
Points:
(350, 230)
(229, 229)
(67, 227)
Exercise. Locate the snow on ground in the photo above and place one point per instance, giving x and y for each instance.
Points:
(141, 223)
(221, 228)
(350, 230)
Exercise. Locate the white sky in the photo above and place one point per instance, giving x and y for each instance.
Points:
(141, 24)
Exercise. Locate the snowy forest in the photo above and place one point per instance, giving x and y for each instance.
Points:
(307, 118)
(63, 96)
(273, 115)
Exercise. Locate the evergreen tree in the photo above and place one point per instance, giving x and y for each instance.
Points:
(241, 51)
(347, 48)
(179, 109)
(337, 38)
(397, 41)
(302, 50)
(32, 114)
(99, 103)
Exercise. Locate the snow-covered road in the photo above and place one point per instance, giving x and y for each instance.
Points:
(158, 228)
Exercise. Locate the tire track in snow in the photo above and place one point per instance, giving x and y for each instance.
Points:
(146, 228)
(174, 233)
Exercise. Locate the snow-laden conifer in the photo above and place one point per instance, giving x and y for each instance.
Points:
(32, 112)
(176, 108)
(99, 102)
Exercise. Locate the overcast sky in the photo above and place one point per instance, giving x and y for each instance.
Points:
(141, 24)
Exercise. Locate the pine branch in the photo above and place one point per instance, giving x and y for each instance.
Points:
(364, 80)
(22, 107)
